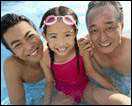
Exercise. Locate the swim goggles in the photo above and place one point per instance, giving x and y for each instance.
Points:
(67, 19)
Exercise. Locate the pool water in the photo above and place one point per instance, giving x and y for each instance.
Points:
(34, 10)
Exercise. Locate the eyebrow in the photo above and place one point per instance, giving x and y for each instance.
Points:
(91, 26)
(109, 22)
(16, 41)
(69, 31)
(50, 34)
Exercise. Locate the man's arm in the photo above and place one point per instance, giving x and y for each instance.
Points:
(96, 76)
(14, 83)
(84, 46)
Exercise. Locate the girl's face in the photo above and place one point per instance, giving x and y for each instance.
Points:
(60, 38)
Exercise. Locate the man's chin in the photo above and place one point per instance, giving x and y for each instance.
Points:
(34, 60)
(105, 50)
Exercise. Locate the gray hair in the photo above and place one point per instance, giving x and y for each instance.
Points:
(116, 4)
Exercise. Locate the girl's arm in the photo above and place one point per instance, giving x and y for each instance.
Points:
(49, 81)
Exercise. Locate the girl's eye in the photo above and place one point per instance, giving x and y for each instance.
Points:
(67, 35)
(52, 37)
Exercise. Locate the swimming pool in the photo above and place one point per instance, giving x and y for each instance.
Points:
(35, 9)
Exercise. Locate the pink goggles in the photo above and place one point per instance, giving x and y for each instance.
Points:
(67, 19)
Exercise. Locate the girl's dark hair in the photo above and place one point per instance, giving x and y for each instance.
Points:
(8, 21)
(115, 4)
(60, 11)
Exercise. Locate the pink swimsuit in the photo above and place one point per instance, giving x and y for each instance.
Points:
(69, 79)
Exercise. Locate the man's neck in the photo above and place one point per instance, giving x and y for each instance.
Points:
(27, 63)
(33, 64)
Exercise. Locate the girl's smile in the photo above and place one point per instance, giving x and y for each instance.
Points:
(60, 41)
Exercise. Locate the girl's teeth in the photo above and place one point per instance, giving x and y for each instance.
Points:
(62, 49)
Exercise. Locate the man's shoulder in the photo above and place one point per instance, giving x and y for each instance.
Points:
(127, 42)
(12, 72)
(11, 65)
(126, 39)
(11, 60)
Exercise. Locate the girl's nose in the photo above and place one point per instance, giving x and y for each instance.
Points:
(61, 43)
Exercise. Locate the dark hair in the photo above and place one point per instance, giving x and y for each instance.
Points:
(8, 21)
(60, 11)
(115, 4)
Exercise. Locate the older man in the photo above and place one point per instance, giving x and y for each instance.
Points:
(112, 51)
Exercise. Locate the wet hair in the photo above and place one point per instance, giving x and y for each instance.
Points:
(115, 4)
(60, 11)
(9, 20)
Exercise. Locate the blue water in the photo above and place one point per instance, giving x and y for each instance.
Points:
(35, 10)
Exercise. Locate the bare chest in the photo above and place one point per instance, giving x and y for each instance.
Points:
(102, 61)
(122, 64)
(32, 75)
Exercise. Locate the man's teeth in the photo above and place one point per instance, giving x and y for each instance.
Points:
(34, 52)
(105, 44)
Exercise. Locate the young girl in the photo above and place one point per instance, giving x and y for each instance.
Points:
(63, 64)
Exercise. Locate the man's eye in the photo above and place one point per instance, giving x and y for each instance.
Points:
(93, 31)
(31, 36)
(17, 45)
(110, 28)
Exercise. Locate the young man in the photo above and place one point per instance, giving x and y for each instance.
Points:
(21, 38)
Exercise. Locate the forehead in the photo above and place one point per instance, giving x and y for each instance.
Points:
(59, 27)
(17, 31)
(102, 14)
